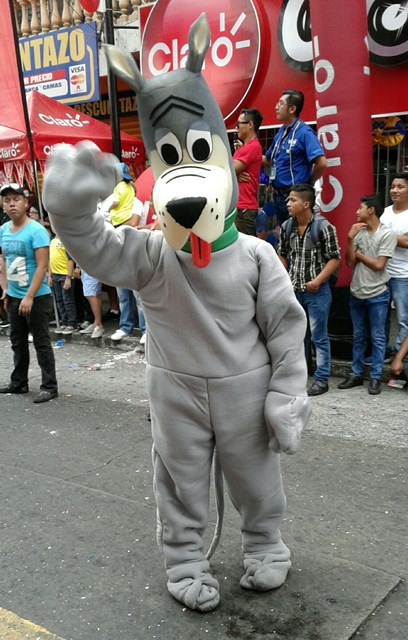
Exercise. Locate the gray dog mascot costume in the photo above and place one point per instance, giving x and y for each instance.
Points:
(225, 363)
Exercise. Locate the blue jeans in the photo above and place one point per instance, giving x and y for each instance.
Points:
(37, 323)
(65, 300)
(127, 316)
(317, 308)
(140, 314)
(399, 295)
(371, 311)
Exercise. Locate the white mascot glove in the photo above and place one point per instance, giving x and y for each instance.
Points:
(77, 177)
(286, 417)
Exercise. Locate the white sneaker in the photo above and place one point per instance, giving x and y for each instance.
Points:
(84, 325)
(143, 339)
(61, 329)
(119, 334)
(98, 332)
(68, 330)
(88, 329)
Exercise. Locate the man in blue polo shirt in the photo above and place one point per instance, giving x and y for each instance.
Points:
(295, 155)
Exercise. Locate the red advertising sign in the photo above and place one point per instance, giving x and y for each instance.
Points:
(338, 115)
(233, 60)
(281, 51)
(12, 121)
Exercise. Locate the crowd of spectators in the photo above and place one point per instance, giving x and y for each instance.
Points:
(280, 207)
(79, 301)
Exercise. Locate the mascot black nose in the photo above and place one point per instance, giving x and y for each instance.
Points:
(186, 211)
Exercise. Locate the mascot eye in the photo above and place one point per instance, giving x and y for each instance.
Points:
(169, 149)
(199, 145)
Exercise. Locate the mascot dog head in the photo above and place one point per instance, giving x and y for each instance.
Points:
(185, 138)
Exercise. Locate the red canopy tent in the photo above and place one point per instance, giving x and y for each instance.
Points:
(54, 123)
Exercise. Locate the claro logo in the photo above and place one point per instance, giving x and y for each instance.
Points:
(233, 57)
(9, 154)
(131, 154)
(61, 122)
(387, 32)
(48, 149)
(163, 57)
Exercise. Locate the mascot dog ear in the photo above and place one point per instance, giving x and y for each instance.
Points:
(183, 130)
(198, 43)
(124, 66)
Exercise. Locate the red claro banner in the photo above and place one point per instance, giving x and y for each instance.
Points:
(259, 47)
(342, 116)
(234, 59)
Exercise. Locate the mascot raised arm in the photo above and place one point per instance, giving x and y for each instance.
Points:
(225, 365)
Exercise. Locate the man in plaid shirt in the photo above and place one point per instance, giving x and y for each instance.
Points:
(311, 258)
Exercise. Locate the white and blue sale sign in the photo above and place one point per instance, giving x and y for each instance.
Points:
(62, 64)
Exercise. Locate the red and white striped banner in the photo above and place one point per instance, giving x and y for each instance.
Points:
(19, 165)
(29, 174)
(8, 170)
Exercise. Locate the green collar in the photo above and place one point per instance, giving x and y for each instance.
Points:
(229, 235)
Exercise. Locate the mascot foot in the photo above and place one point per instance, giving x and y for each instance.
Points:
(263, 575)
(201, 594)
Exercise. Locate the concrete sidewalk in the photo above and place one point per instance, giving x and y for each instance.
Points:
(78, 549)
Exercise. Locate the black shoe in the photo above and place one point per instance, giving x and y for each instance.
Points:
(317, 388)
(44, 396)
(111, 315)
(12, 389)
(350, 382)
(374, 387)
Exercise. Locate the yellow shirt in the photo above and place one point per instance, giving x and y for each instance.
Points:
(58, 257)
(123, 192)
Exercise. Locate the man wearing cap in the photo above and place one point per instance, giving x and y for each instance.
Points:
(25, 253)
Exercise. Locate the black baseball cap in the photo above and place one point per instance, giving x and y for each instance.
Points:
(12, 186)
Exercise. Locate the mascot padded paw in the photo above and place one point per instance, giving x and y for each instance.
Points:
(285, 418)
(263, 573)
(77, 177)
(201, 594)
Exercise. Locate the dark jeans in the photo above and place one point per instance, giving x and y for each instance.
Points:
(374, 310)
(35, 323)
(65, 300)
(245, 221)
(317, 307)
(281, 210)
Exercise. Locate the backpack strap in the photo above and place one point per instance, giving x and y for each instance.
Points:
(287, 228)
(318, 222)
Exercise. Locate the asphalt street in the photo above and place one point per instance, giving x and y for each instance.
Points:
(79, 559)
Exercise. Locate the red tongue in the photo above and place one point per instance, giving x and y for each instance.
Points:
(200, 251)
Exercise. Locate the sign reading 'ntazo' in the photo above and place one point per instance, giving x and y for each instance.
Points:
(233, 58)
(63, 64)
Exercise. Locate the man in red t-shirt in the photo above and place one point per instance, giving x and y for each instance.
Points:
(247, 161)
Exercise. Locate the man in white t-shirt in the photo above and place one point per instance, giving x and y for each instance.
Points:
(395, 217)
